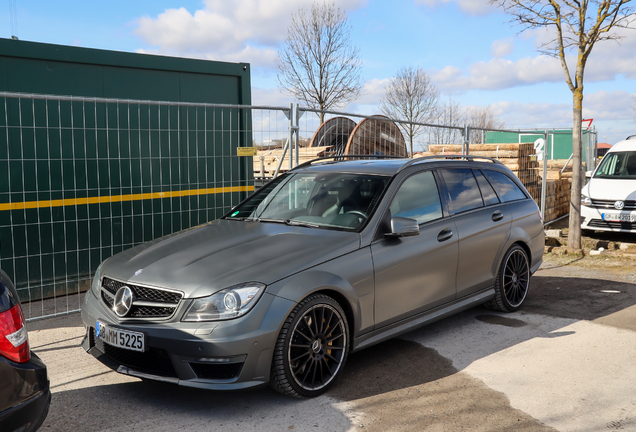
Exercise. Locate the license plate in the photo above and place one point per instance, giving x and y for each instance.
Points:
(617, 217)
(126, 339)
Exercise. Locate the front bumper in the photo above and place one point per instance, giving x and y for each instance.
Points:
(593, 218)
(222, 355)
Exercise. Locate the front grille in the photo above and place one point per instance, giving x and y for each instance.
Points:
(108, 299)
(217, 371)
(151, 312)
(155, 361)
(609, 204)
(166, 301)
(598, 223)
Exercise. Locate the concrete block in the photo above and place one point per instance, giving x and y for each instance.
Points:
(553, 233)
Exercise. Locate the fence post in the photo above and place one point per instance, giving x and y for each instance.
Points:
(544, 179)
(466, 133)
(290, 140)
(297, 116)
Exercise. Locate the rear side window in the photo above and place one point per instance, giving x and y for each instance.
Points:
(418, 198)
(463, 192)
(505, 187)
(487, 192)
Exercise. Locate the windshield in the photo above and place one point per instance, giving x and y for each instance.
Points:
(317, 200)
(617, 165)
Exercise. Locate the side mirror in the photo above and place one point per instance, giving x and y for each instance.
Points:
(403, 227)
(588, 174)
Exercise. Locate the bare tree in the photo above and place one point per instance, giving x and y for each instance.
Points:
(479, 118)
(318, 64)
(449, 113)
(574, 25)
(412, 97)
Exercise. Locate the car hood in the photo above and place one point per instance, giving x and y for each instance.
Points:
(610, 189)
(202, 260)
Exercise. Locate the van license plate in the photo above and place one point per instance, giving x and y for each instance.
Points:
(614, 217)
(126, 339)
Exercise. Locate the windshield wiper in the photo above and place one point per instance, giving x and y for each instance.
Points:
(281, 221)
(300, 223)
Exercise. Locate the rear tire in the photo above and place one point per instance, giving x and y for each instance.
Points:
(512, 281)
(311, 349)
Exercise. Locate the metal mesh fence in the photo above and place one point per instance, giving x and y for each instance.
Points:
(82, 179)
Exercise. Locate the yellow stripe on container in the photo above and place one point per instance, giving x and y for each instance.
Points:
(121, 198)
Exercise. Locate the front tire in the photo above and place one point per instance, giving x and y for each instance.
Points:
(311, 349)
(512, 282)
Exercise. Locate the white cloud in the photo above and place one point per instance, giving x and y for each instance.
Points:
(608, 61)
(498, 73)
(258, 58)
(240, 30)
(502, 47)
(612, 113)
(608, 58)
(603, 105)
(270, 97)
(471, 7)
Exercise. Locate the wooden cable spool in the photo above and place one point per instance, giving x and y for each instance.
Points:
(333, 133)
(376, 136)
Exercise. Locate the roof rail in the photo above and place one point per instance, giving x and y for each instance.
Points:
(336, 157)
(465, 157)
(630, 137)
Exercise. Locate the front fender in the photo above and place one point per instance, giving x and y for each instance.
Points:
(350, 280)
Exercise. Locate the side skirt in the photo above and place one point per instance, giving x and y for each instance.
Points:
(422, 319)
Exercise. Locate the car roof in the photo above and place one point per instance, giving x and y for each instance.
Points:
(387, 167)
(625, 145)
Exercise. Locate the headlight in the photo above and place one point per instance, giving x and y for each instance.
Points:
(229, 303)
(97, 278)
(586, 201)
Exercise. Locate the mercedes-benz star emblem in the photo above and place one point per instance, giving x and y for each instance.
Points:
(123, 301)
(618, 205)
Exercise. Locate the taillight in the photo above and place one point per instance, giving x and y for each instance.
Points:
(14, 341)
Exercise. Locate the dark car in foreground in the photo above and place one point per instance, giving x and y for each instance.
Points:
(329, 258)
(25, 394)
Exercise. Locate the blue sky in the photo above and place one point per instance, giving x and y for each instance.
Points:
(469, 48)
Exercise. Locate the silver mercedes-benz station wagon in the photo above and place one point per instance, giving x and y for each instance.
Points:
(329, 258)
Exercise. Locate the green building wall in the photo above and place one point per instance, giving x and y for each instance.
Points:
(559, 145)
(136, 153)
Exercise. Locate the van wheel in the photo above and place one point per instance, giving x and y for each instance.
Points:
(311, 349)
(512, 282)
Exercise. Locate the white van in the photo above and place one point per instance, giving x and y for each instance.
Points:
(608, 200)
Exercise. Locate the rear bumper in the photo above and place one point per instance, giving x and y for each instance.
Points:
(29, 414)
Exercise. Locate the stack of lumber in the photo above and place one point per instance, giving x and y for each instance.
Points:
(272, 157)
(557, 198)
(558, 187)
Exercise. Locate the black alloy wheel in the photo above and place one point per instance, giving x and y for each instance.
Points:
(512, 282)
(311, 349)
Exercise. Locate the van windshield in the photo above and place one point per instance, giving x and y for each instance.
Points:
(617, 165)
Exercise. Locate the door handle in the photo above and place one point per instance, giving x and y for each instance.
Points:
(444, 235)
(497, 216)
